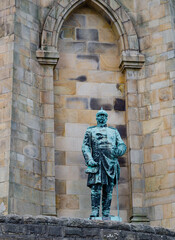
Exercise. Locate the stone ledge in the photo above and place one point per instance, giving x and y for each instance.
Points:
(128, 61)
(28, 227)
(47, 57)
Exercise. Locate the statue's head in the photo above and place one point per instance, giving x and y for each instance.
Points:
(101, 117)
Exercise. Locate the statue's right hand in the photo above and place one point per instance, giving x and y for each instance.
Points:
(92, 163)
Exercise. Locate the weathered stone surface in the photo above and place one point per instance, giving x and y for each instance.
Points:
(87, 34)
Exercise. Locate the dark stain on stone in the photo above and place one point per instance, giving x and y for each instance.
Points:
(122, 161)
(95, 47)
(87, 34)
(60, 158)
(119, 104)
(82, 78)
(72, 47)
(77, 99)
(96, 104)
(60, 186)
(122, 130)
(89, 57)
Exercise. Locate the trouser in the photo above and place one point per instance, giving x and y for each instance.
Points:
(106, 199)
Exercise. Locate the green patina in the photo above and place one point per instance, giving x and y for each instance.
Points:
(101, 148)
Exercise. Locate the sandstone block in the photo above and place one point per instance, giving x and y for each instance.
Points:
(159, 85)
(161, 152)
(74, 158)
(75, 130)
(47, 125)
(97, 89)
(97, 103)
(68, 144)
(152, 126)
(68, 115)
(133, 114)
(161, 167)
(96, 21)
(135, 142)
(173, 209)
(84, 202)
(60, 186)
(67, 172)
(101, 48)
(136, 156)
(67, 201)
(159, 212)
(138, 185)
(67, 60)
(72, 47)
(48, 169)
(132, 100)
(167, 211)
(137, 171)
(47, 139)
(48, 111)
(77, 103)
(149, 169)
(46, 97)
(77, 187)
(68, 88)
(106, 35)
(90, 62)
(87, 34)
(132, 86)
(116, 117)
(134, 128)
(104, 76)
(71, 74)
(168, 181)
(137, 199)
(109, 62)
(76, 20)
(152, 184)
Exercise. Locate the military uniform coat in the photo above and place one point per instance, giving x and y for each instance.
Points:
(103, 145)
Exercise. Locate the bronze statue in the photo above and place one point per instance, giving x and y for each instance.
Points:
(101, 148)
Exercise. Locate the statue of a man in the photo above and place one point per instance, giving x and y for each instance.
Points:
(101, 148)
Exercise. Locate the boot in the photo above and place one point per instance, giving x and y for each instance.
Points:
(106, 200)
(95, 201)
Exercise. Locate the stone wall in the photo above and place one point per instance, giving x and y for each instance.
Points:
(7, 11)
(25, 164)
(86, 78)
(27, 227)
(154, 24)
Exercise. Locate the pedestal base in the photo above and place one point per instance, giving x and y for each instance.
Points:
(139, 219)
(110, 218)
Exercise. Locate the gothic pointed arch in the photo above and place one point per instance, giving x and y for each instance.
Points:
(120, 22)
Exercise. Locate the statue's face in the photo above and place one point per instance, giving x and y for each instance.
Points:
(101, 119)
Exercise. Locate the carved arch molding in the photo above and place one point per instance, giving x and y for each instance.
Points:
(48, 54)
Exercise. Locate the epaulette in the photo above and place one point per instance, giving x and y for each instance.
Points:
(91, 127)
(112, 128)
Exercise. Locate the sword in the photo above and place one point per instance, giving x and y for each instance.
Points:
(117, 196)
